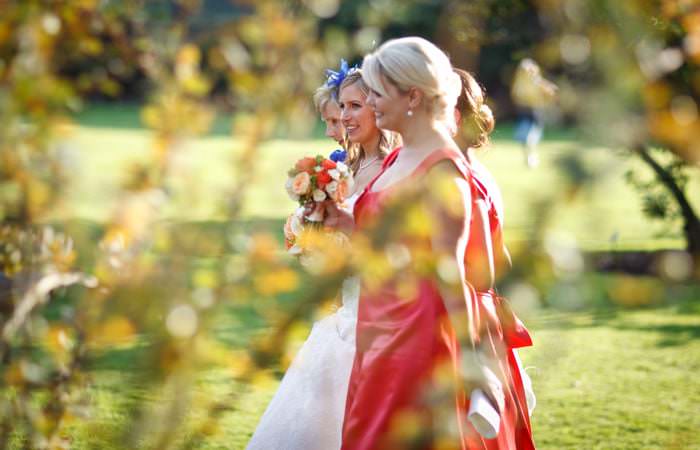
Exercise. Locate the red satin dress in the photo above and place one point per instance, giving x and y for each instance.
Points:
(404, 346)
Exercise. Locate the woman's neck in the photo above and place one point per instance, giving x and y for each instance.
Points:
(371, 147)
(421, 138)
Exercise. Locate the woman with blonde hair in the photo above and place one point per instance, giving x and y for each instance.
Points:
(326, 103)
(367, 144)
(422, 346)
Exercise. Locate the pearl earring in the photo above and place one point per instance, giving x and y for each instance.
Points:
(409, 113)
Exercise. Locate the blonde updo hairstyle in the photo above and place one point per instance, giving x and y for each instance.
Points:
(415, 62)
(477, 122)
(387, 140)
(324, 95)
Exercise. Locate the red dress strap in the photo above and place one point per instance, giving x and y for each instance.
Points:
(388, 161)
(454, 155)
(391, 157)
(481, 189)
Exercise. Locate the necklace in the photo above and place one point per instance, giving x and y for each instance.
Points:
(367, 164)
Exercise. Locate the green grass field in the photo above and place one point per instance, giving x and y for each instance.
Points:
(110, 139)
(606, 378)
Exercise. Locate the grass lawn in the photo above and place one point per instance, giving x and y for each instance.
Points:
(622, 381)
(612, 380)
(109, 139)
(606, 378)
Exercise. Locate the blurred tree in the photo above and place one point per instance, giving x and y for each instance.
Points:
(632, 81)
(152, 289)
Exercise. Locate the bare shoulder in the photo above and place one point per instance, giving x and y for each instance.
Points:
(446, 171)
(445, 168)
(447, 189)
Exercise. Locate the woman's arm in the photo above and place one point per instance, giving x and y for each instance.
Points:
(480, 265)
(451, 211)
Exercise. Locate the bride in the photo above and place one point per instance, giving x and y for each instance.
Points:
(306, 412)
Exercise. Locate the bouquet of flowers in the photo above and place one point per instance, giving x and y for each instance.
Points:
(311, 181)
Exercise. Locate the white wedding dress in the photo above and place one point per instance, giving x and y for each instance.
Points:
(306, 412)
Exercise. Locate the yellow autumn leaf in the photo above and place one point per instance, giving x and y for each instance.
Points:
(189, 54)
(632, 291)
(276, 282)
(58, 339)
(195, 85)
(114, 331)
(151, 116)
(240, 363)
(205, 278)
(13, 374)
(263, 248)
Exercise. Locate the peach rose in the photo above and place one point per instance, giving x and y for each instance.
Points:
(306, 164)
(301, 183)
(341, 191)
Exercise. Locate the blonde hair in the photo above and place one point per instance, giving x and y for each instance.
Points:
(415, 62)
(387, 140)
(324, 95)
(477, 122)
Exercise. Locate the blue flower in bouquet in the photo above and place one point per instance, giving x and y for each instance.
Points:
(338, 155)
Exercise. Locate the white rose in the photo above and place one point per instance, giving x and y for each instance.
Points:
(319, 195)
(290, 191)
(334, 173)
(332, 187)
(342, 168)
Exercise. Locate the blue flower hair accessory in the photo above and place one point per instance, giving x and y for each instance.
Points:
(338, 155)
(336, 78)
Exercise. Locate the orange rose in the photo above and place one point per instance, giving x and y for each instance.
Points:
(328, 164)
(306, 164)
(301, 183)
(341, 192)
(323, 178)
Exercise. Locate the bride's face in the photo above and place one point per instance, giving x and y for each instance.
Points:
(356, 115)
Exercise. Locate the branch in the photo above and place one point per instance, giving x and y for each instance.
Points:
(667, 179)
(37, 294)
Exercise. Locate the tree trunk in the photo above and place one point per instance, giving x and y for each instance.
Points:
(691, 223)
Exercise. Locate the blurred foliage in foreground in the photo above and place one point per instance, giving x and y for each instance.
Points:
(68, 297)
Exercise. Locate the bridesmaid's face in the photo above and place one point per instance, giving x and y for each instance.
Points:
(389, 110)
(357, 116)
(330, 114)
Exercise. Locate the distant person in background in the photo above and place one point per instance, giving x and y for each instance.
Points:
(532, 94)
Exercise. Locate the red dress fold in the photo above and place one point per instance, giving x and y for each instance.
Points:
(405, 390)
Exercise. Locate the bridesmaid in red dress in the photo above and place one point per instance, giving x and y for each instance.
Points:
(425, 339)
(486, 248)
